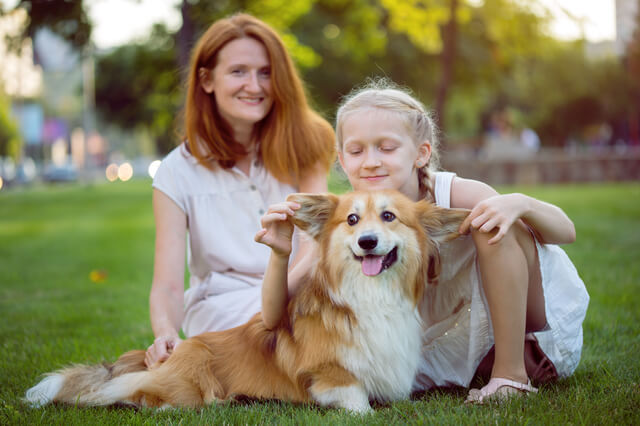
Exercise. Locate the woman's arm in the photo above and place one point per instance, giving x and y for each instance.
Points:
(280, 280)
(491, 210)
(167, 290)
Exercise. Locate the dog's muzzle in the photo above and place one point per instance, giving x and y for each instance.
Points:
(372, 264)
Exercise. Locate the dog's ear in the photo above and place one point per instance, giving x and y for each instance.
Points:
(441, 224)
(314, 212)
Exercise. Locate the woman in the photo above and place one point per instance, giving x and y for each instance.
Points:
(251, 139)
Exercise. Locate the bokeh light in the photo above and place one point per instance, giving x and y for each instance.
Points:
(112, 172)
(0, 182)
(8, 168)
(125, 172)
(153, 168)
(331, 31)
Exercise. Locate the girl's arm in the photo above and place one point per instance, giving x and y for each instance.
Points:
(167, 289)
(276, 232)
(280, 280)
(491, 210)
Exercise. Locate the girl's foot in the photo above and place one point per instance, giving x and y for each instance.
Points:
(499, 390)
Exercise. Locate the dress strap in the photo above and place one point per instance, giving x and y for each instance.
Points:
(443, 188)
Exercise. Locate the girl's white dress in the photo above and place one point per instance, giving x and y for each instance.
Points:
(223, 209)
(458, 332)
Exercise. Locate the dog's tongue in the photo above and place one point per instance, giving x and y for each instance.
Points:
(372, 265)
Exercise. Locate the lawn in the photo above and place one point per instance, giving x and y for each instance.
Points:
(75, 272)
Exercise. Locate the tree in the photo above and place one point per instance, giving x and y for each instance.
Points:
(432, 26)
(139, 85)
(633, 70)
(463, 58)
(63, 17)
(198, 15)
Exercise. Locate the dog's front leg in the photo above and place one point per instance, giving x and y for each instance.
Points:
(352, 398)
(334, 386)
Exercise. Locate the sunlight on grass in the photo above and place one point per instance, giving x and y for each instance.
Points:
(75, 272)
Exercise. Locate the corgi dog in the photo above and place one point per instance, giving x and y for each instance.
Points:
(352, 332)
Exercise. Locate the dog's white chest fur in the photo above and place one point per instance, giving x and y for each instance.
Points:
(386, 342)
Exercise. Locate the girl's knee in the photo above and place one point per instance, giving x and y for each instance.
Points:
(517, 241)
(527, 243)
(508, 242)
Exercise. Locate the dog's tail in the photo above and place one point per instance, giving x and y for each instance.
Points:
(101, 384)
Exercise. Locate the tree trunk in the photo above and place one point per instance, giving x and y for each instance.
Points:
(185, 39)
(447, 59)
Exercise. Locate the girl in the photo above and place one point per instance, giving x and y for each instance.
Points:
(506, 283)
(251, 139)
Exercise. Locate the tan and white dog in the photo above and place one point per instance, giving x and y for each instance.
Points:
(352, 333)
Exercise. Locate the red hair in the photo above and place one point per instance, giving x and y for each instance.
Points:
(293, 138)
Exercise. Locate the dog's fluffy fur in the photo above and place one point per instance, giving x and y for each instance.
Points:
(352, 333)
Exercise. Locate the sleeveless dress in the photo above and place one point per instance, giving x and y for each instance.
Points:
(457, 326)
(223, 209)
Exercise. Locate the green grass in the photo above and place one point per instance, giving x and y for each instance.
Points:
(52, 314)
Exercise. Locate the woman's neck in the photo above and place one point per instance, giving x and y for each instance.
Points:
(244, 164)
(243, 136)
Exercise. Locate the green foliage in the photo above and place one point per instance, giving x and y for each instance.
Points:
(514, 30)
(281, 14)
(422, 20)
(10, 141)
(139, 85)
(559, 104)
(503, 58)
(355, 42)
(51, 238)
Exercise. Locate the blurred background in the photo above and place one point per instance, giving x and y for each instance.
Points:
(525, 91)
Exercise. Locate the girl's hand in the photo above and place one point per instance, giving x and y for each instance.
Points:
(277, 229)
(499, 211)
(160, 349)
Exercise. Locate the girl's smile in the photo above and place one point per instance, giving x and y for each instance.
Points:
(374, 178)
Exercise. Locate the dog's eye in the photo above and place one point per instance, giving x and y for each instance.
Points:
(352, 219)
(388, 216)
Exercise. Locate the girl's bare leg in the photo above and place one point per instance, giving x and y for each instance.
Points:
(512, 284)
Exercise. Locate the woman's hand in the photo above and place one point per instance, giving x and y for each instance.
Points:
(498, 211)
(277, 229)
(160, 350)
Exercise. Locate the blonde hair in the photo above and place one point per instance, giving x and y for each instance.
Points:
(385, 95)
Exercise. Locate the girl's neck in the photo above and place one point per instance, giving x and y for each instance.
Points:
(419, 192)
(413, 189)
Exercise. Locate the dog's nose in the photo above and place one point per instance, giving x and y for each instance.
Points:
(368, 242)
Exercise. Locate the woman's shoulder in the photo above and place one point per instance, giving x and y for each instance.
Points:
(177, 166)
(179, 162)
(179, 156)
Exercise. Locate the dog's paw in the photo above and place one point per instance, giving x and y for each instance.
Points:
(359, 408)
(352, 398)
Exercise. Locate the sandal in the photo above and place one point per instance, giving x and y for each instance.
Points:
(499, 390)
